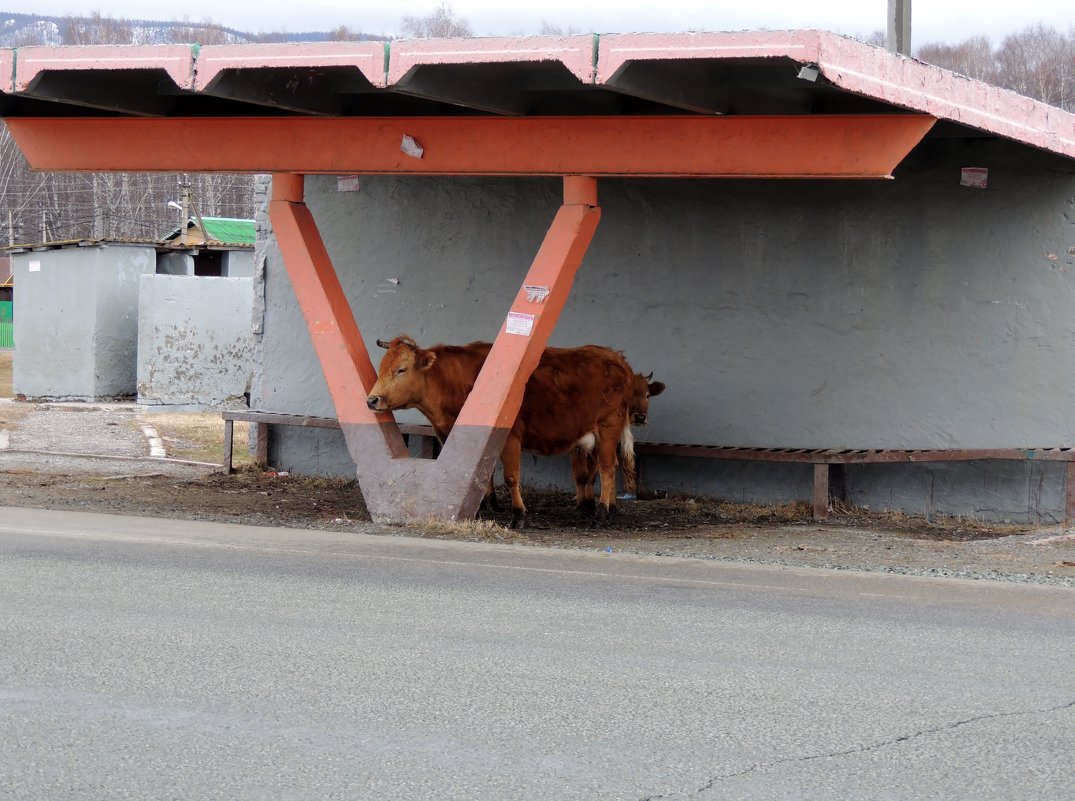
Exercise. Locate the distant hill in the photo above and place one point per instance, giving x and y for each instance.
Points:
(22, 30)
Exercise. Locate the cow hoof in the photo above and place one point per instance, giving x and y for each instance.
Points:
(587, 508)
(518, 519)
(600, 517)
(489, 504)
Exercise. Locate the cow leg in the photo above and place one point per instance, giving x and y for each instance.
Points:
(489, 502)
(606, 464)
(585, 471)
(511, 457)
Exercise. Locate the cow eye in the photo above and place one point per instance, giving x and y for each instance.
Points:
(401, 371)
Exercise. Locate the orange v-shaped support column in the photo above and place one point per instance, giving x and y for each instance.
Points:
(395, 486)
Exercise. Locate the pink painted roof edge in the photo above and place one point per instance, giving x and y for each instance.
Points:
(866, 70)
(913, 84)
(7, 71)
(575, 52)
(368, 57)
(176, 60)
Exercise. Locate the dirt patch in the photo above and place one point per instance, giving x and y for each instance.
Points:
(851, 539)
(6, 359)
(199, 436)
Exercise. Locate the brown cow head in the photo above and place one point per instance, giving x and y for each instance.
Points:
(641, 391)
(401, 378)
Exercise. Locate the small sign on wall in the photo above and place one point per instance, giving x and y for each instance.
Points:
(519, 323)
(34, 266)
(347, 183)
(974, 177)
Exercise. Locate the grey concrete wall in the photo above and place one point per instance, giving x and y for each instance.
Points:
(913, 313)
(175, 264)
(195, 343)
(78, 316)
(239, 263)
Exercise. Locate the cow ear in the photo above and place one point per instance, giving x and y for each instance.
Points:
(656, 388)
(382, 344)
(426, 359)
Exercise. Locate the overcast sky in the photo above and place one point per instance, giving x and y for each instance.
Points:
(932, 20)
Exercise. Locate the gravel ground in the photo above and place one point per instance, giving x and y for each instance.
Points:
(37, 470)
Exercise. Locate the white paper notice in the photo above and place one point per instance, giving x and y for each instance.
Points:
(347, 183)
(974, 177)
(536, 294)
(519, 323)
(34, 266)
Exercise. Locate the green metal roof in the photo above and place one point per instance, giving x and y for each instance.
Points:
(229, 230)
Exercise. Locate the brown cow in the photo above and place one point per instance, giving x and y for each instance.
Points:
(583, 466)
(575, 397)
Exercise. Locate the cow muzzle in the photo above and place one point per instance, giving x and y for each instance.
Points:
(638, 419)
(374, 402)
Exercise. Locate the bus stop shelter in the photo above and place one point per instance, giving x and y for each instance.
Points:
(788, 106)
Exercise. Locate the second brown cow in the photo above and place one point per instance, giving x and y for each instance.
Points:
(576, 397)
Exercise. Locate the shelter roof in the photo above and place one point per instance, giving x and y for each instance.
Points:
(222, 230)
(65, 244)
(741, 73)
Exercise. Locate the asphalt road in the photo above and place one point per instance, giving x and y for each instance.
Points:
(155, 659)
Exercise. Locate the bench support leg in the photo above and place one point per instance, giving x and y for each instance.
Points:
(1069, 494)
(394, 486)
(229, 431)
(821, 491)
(261, 445)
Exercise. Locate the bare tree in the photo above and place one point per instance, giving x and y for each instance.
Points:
(1038, 62)
(877, 38)
(95, 29)
(442, 22)
(343, 34)
(206, 32)
(972, 57)
(551, 29)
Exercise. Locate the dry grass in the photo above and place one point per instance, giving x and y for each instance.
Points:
(6, 358)
(465, 529)
(199, 437)
(11, 413)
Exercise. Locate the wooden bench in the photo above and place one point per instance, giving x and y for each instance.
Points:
(262, 420)
(828, 463)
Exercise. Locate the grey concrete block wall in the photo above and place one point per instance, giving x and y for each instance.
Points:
(78, 316)
(239, 263)
(913, 313)
(195, 342)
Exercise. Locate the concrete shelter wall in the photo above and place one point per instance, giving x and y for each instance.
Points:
(912, 313)
(77, 312)
(195, 344)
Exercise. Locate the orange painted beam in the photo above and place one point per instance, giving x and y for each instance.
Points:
(498, 392)
(337, 341)
(806, 146)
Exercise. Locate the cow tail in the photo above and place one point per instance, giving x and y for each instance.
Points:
(627, 452)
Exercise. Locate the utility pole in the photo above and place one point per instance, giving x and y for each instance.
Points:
(10, 228)
(184, 214)
(899, 27)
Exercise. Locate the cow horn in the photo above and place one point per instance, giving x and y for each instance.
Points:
(650, 376)
(382, 344)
